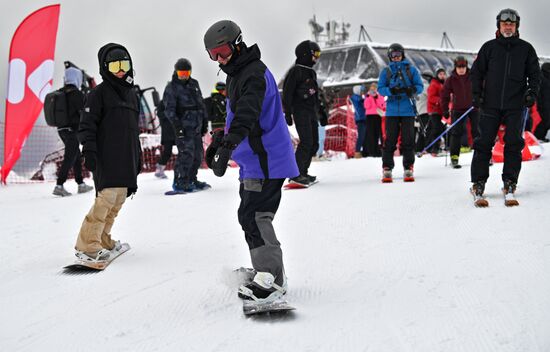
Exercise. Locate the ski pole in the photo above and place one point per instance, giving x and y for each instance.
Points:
(525, 118)
(419, 154)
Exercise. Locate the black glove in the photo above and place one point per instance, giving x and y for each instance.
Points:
(90, 160)
(410, 91)
(178, 129)
(223, 154)
(288, 118)
(529, 98)
(217, 137)
(396, 90)
(477, 101)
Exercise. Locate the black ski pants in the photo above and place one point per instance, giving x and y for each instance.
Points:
(260, 200)
(489, 123)
(457, 132)
(308, 132)
(71, 157)
(436, 128)
(373, 135)
(394, 125)
(190, 154)
(543, 126)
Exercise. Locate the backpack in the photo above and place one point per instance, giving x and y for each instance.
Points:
(56, 110)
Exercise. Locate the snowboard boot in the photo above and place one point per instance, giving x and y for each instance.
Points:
(263, 288)
(311, 179)
(83, 188)
(454, 162)
(59, 190)
(159, 172)
(189, 187)
(301, 180)
(98, 256)
(200, 185)
(408, 175)
(387, 175)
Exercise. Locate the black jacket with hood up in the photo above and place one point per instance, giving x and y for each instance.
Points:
(109, 127)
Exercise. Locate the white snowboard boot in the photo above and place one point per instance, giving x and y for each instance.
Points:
(263, 288)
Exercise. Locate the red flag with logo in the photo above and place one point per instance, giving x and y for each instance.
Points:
(30, 79)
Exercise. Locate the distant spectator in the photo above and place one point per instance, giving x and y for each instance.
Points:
(375, 106)
(357, 100)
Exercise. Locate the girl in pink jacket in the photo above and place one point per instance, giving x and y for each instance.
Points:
(375, 106)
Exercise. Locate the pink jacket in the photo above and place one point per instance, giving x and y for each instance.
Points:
(372, 104)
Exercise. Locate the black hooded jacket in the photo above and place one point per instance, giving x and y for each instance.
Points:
(246, 89)
(300, 88)
(109, 127)
(503, 71)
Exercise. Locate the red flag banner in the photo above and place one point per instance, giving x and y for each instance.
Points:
(30, 79)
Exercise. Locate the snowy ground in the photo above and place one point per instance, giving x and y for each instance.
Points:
(371, 267)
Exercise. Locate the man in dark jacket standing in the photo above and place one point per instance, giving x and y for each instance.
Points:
(257, 138)
(109, 133)
(460, 87)
(543, 104)
(505, 81)
(68, 134)
(301, 104)
(185, 109)
(215, 106)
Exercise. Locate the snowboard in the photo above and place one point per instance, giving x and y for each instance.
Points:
(174, 193)
(246, 275)
(80, 264)
(293, 185)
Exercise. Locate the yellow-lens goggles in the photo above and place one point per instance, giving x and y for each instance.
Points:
(117, 66)
(317, 54)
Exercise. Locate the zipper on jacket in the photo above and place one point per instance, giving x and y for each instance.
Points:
(505, 76)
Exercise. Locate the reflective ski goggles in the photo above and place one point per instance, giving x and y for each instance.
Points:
(224, 51)
(317, 54)
(396, 54)
(117, 66)
(183, 73)
(508, 17)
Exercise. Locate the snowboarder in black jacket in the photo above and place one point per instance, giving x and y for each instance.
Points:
(505, 81)
(215, 106)
(302, 106)
(184, 107)
(109, 133)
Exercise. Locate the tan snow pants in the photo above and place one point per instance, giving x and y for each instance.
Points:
(95, 232)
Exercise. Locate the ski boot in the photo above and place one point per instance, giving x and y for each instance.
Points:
(454, 162)
(508, 191)
(59, 190)
(408, 175)
(83, 188)
(477, 191)
(386, 175)
(263, 288)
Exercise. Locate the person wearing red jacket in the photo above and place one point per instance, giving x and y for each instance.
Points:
(435, 109)
(375, 105)
(458, 87)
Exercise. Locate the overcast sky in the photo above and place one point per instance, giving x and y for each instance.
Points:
(159, 32)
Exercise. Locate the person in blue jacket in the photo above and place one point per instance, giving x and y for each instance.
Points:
(256, 137)
(360, 118)
(399, 82)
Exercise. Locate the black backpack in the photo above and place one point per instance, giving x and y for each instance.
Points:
(56, 110)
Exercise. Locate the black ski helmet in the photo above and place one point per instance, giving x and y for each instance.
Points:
(396, 47)
(182, 65)
(460, 60)
(222, 32)
(508, 15)
(220, 86)
(307, 48)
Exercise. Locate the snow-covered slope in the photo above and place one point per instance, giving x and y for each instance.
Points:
(371, 267)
